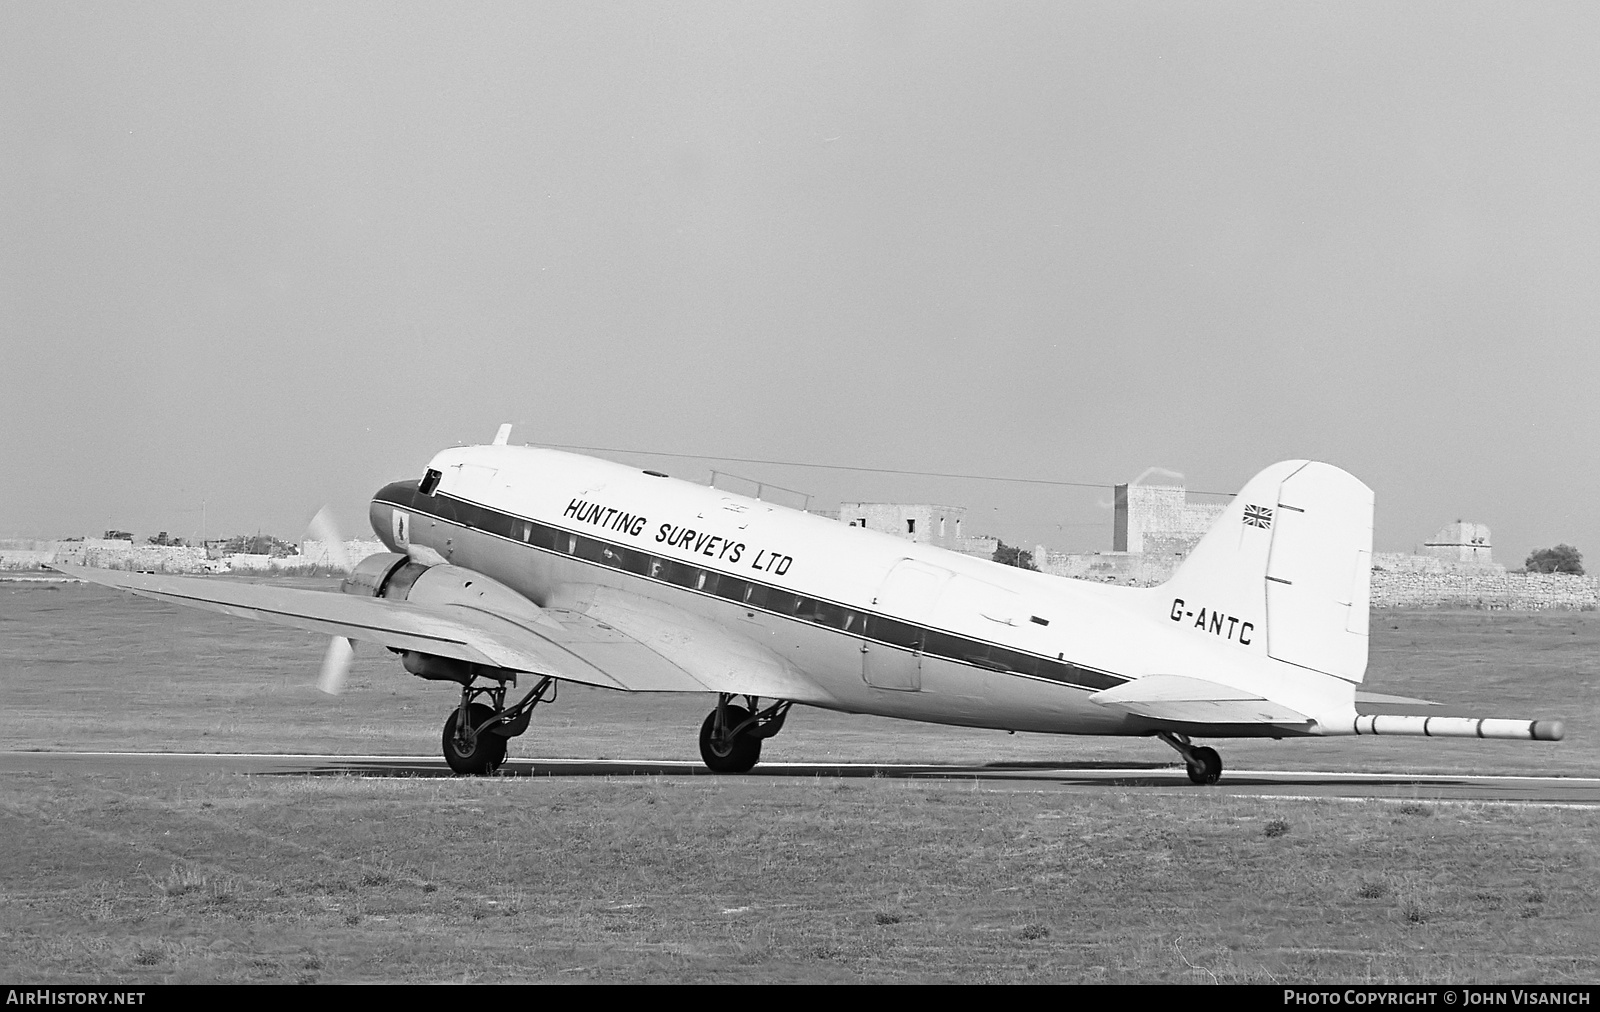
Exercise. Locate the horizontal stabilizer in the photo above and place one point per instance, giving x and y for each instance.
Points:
(1195, 701)
(1372, 700)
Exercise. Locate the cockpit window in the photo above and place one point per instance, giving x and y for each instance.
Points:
(429, 482)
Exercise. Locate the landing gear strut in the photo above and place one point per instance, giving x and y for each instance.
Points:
(731, 737)
(1204, 764)
(475, 734)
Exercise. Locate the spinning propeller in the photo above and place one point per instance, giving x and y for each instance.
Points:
(341, 651)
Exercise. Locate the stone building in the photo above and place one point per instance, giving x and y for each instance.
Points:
(1153, 528)
(1159, 519)
(1460, 542)
(923, 523)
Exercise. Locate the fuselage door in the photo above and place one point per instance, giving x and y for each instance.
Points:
(891, 655)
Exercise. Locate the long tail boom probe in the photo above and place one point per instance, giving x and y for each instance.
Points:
(1459, 727)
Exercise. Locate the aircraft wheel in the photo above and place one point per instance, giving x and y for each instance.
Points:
(1208, 766)
(736, 756)
(483, 754)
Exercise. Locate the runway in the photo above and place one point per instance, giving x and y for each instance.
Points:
(1155, 778)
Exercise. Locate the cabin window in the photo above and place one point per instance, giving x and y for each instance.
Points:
(783, 603)
(835, 617)
(545, 537)
(527, 531)
(732, 588)
(682, 575)
(911, 527)
(429, 482)
(811, 610)
(899, 634)
(591, 550)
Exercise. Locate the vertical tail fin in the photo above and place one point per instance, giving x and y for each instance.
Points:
(1291, 559)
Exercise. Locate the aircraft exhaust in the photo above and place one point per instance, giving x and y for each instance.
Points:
(1460, 727)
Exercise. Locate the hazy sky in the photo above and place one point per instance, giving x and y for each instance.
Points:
(270, 256)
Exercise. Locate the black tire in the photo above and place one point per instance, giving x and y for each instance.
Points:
(737, 756)
(480, 756)
(1208, 766)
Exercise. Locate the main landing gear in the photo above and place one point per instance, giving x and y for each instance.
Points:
(731, 737)
(1205, 765)
(475, 733)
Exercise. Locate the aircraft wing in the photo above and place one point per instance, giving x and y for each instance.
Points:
(653, 647)
(1188, 700)
(721, 659)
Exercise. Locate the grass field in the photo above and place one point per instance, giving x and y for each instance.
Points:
(143, 877)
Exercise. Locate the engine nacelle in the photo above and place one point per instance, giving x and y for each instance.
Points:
(372, 574)
(395, 577)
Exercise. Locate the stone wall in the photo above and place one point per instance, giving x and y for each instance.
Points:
(1398, 580)
(979, 547)
(1130, 569)
(103, 554)
(24, 558)
(1481, 587)
(319, 553)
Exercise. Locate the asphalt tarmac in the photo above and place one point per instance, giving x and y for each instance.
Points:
(1156, 778)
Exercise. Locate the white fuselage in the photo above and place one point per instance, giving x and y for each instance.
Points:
(879, 624)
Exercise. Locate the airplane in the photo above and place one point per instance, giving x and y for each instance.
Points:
(507, 560)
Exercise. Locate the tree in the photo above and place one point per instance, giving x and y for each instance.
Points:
(1560, 559)
(1010, 555)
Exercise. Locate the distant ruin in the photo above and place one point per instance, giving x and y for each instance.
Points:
(1460, 542)
(1153, 527)
(919, 523)
(1159, 519)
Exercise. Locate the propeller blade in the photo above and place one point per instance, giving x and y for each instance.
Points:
(323, 529)
(336, 665)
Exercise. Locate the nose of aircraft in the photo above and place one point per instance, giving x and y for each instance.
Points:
(389, 523)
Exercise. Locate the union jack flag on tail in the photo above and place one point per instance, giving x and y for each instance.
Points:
(1258, 516)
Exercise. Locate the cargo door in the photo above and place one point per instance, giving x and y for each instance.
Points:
(891, 652)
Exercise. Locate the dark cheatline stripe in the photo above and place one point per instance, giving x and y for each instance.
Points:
(748, 593)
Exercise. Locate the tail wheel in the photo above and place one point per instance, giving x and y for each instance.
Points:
(728, 755)
(474, 755)
(1206, 766)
